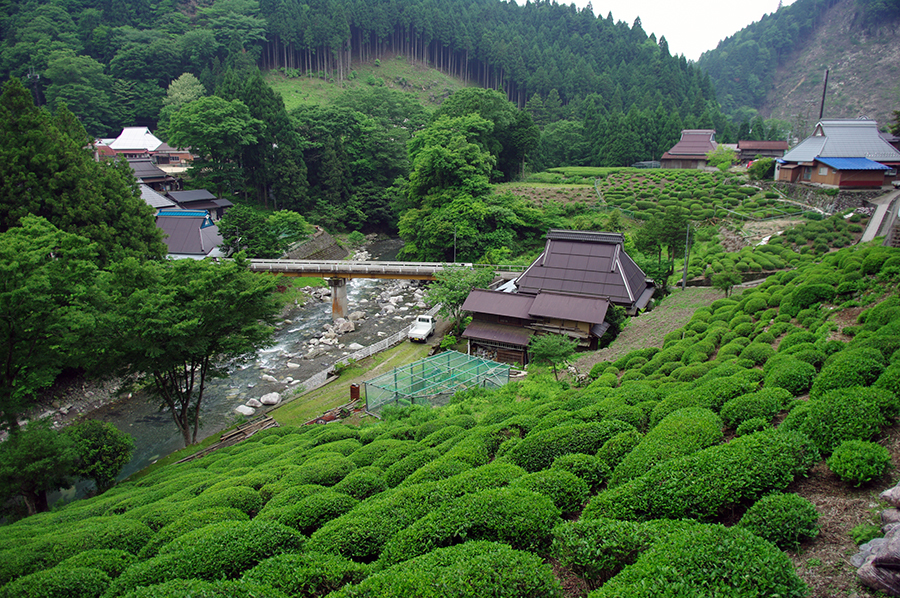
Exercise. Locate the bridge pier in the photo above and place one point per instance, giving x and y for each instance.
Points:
(339, 301)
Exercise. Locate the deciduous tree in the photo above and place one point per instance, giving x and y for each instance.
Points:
(100, 451)
(551, 349)
(35, 460)
(177, 324)
(453, 285)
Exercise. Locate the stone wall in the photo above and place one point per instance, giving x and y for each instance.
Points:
(817, 196)
(322, 246)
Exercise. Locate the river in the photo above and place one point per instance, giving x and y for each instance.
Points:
(154, 431)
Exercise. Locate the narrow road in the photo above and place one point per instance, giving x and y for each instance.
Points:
(881, 219)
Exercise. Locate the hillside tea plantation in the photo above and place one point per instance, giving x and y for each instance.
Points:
(668, 474)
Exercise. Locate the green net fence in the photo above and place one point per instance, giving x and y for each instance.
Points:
(433, 380)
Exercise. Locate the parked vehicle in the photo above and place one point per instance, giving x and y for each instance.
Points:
(421, 329)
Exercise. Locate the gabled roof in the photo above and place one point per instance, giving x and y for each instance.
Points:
(190, 232)
(844, 139)
(694, 142)
(154, 199)
(560, 306)
(585, 263)
(853, 164)
(144, 170)
(133, 138)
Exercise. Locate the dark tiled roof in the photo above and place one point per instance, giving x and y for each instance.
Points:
(187, 234)
(145, 170)
(556, 234)
(694, 142)
(763, 145)
(154, 199)
(499, 333)
(497, 303)
(570, 307)
(193, 195)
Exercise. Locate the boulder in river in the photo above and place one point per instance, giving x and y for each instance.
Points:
(272, 398)
(244, 410)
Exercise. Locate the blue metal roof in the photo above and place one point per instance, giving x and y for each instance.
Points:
(852, 164)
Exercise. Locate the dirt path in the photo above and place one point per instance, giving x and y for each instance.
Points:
(649, 329)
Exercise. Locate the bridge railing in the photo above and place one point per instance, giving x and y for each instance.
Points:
(350, 267)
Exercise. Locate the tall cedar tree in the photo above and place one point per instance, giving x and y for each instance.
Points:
(50, 173)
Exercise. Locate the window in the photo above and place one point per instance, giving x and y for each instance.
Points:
(807, 173)
(823, 170)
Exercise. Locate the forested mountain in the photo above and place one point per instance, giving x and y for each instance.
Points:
(113, 60)
(775, 67)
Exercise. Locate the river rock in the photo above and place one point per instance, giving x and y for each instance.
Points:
(890, 516)
(268, 378)
(244, 410)
(354, 346)
(272, 398)
(891, 496)
(253, 403)
(293, 365)
(314, 353)
(345, 326)
(356, 316)
(388, 309)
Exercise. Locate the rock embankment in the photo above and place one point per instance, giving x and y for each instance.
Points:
(879, 559)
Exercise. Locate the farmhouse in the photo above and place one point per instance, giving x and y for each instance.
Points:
(691, 149)
(567, 290)
(841, 153)
(189, 234)
(751, 150)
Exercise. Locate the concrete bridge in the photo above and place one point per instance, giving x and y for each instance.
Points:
(338, 272)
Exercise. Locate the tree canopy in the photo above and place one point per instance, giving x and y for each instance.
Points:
(176, 324)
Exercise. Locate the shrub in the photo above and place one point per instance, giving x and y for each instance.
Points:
(702, 485)
(764, 403)
(473, 569)
(197, 588)
(59, 582)
(758, 353)
(367, 454)
(188, 523)
(839, 415)
(241, 498)
(307, 574)
(567, 491)
(791, 374)
(681, 433)
(694, 560)
(785, 520)
(402, 469)
(597, 550)
(754, 424)
(809, 294)
(312, 512)
(590, 468)
(851, 367)
(859, 462)
(326, 470)
(516, 517)
(538, 450)
(110, 561)
(361, 483)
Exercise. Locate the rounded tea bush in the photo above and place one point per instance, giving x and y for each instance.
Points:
(309, 574)
(59, 582)
(754, 424)
(859, 462)
(473, 569)
(791, 374)
(590, 468)
(783, 519)
(567, 491)
(538, 450)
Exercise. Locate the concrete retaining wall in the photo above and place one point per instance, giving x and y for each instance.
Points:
(321, 247)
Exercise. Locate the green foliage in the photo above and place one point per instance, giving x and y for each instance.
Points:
(175, 324)
(765, 403)
(853, 413)
(189, 522)
(307, 574)
(702, 485)
(451, 287)
(598, 549)
(754, 424)
(111, 561)
(783, 519)
(475, 569)
(196, 588)
(540, 448)
(517, 517)
(722, 157)
(590, 468)
(852, 367)
(101, 452)
(707, 560)
(791, 374)
(567, 491)
(310, 513)
(551, 349)
(762, 168)
(59, 582)
(35, 460)
(680, 433)
(858, 461)
(865, 532)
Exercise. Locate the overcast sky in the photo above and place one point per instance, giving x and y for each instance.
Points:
(691, 26)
